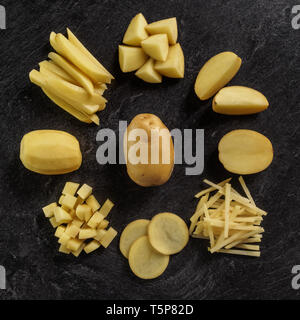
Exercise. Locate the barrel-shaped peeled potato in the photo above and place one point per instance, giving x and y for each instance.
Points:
(245, 151)
(149, 151)
(216, 73)
(50, 152)
(239, 100)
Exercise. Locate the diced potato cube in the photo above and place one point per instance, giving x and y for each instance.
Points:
(64, 249)
(49, 210)
(92, 202)
(74, 244)
(108, 237)
(54, 223)
(64, 238)
(82, 211)
(103, 224)
(87, 233)
(61, 215)
(92, 246)
(68, 201)
(85, 191)
(105, 209)
(61, 198)
(100, 234)
(70, 188)
(72, 230)
(95, 219)
(79, 250)
(73, 213)
(78, 222)
(79, 201)
(59, 231)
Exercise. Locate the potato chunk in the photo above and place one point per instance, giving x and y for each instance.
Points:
(131, 58)
(173, 67)
(136, 32)
(167, 26)
(148, 73)
(156, 46)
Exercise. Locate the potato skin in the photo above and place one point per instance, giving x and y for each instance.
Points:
(147, 175)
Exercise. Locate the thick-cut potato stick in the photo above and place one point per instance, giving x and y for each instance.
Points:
(241, 252)
(77, 74)
(50, 66)
(100, 88)
(67, 107)
(246, 190)
(227, 204)
(247, 246)
(67, 49)
(74, 40)
(203, 192)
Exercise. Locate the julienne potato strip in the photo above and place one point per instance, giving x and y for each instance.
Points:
(230, 221)
(80, 218)
(73, 78)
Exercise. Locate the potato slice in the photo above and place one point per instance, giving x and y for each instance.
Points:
(173, 67)
(67, 49)
(167, 26)
(131, 58)
(132, 232)
(148, 73)
(216, 73)
(156, 46)
(50, 66)
(136, 32)
(84, 50)
(81, 78)
(168, 233)
(238, 100)
(144, 261)
(245, 152)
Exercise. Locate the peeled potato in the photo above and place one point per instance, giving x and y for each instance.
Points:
(245, 152)
(239, 100)
(216, 73)
(133, 231)
(168, 233)
(144, 261)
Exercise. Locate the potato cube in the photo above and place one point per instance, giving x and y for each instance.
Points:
(79, 250)
(59, 231)
(100, 234)
(95, 219)
(61, 215)
(68, 201)
(85, 191)
(64, 249)
(79, 201)
(82, 211)
(78, 222)
(103, 224)
(64, 238)
(70, 188)
(61, 198)
(72, 230)
(108, 237)
(54, 223)
(87, 233)
(92, 202)
(92, 246)
(74, 244)
(105, 209)
(49, 210)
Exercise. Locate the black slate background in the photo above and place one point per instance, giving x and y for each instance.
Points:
(258, 31)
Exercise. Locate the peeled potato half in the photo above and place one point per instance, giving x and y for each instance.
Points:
(168, 233)
(132, 232)
(144, 261)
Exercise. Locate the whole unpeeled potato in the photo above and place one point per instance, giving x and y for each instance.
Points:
(149, 152)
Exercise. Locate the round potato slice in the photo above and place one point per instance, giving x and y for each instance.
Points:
(144, 261)
(168, 233)
(132, 231)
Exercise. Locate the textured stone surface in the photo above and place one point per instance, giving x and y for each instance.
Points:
(258, 31)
